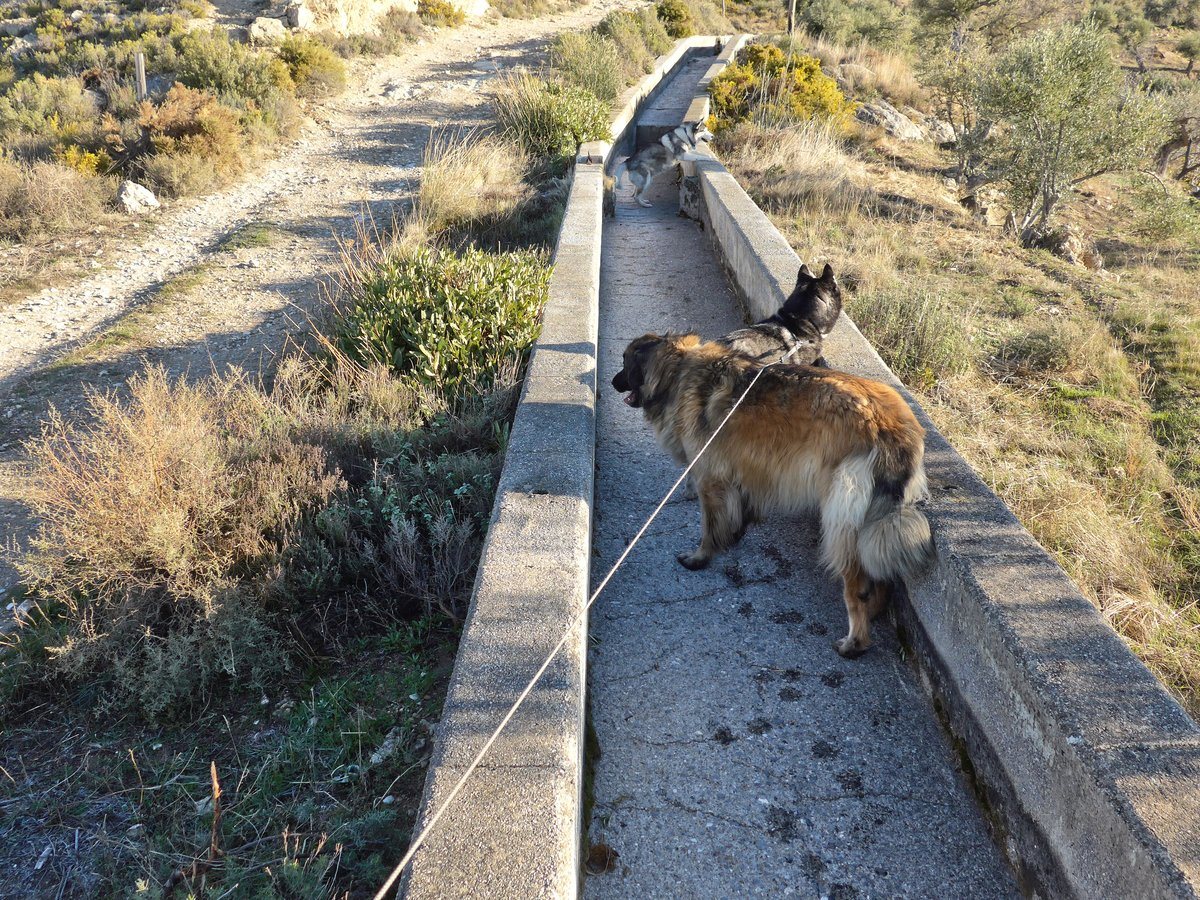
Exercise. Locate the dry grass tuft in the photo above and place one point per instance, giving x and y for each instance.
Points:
(470, 179)
(796, 168)
(888, 74)
(45, 198)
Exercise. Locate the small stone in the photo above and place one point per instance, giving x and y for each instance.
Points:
(389, 800)
(136, 199)
(300, 17)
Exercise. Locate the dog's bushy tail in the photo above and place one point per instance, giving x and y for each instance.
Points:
(894, 540)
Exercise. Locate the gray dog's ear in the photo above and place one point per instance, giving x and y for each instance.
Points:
(804, 273)
(827, 274)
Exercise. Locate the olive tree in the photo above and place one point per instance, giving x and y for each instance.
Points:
(1065, 113)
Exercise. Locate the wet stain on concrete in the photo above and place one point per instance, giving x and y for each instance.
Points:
(758, 726)
(833, 679)
(824, 750)
(724, 736)
(791, 617)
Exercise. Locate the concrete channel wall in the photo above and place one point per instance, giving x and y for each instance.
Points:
(514, 830)
(1087, 767)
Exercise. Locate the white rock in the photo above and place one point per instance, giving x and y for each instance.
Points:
(135, 199)
(299, 16)
(264, 30)
(472, 9)
(883, 115)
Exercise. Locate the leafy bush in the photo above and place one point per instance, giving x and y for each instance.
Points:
(774, 88)
(676, 17)
(1066, 113)
(40, 113)
(589, 61)
(623, 29)
(314, 69)
(654, 33)
(235, 74)
(1166, 217)
(451, 321)
(440, 13)
(549, 120)
(196, 142)
(878, 22)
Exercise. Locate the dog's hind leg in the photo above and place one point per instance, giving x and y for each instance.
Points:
(722, 523)
(859, 593)
(640, 189)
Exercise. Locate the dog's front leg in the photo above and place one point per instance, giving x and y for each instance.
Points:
(722, 523)
(863, 598)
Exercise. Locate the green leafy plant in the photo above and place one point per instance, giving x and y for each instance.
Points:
(775, 88)
(1065, 114)
(440, 13)
(589, 61)
(549, 120)
(314, 69)
(450, 320)
(676, 16)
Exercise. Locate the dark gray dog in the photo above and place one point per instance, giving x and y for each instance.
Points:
(671, 149)
(806, 317)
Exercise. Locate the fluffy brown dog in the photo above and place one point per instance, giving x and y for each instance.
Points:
(805, 438)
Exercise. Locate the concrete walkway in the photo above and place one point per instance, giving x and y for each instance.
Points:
(739, 755)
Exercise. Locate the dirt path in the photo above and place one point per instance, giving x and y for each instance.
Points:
(218, 281)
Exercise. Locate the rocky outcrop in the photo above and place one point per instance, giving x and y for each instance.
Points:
(354, 16)
(883, 115)
(265, 30)
(135, 199)
(300, 17)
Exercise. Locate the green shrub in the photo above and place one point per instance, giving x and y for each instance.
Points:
(589, 61)
(915, 332)
(1166, 217)
(549, 120)
(450, 320)
(654, 32)
(774, 88)
(39, 114)
(878, 22)
(676, 17)
(235, 74)
(313, 67)
(440, 13)
(622, 29)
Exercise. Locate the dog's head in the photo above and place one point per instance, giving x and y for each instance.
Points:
(700, 133)
(631, 380)
(816, 300)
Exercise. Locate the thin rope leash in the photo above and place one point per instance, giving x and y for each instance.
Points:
(420, 838)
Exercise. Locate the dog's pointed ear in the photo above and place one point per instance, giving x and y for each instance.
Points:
(827, 274)
(804, 274)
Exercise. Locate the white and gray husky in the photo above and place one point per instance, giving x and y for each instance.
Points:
(672, 148)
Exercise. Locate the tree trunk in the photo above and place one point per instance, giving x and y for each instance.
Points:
(1188, 70)
(791, 17)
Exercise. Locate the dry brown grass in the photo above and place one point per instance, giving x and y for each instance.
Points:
(469, 179)
(797, 167)
(1076, 395)
(47, 198)
(890, 74)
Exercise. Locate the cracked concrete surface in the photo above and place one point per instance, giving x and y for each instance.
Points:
(740, 756)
